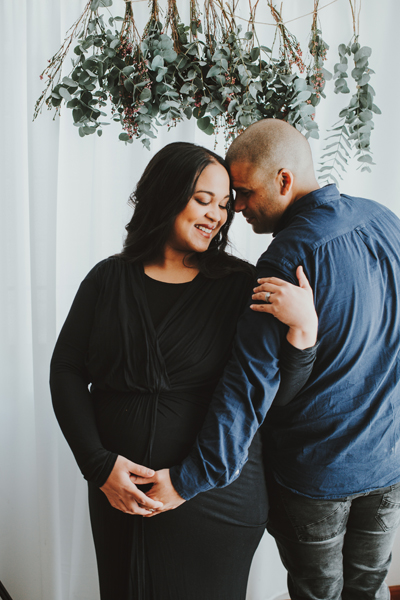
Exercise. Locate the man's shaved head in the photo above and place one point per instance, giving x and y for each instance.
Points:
(271, 167)
(271, 145)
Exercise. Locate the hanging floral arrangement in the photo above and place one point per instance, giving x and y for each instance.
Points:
(209, 69)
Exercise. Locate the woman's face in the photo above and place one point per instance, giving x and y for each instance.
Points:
(205, 213)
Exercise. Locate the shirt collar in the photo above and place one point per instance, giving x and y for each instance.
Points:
(323, 195)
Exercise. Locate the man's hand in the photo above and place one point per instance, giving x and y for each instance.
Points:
(162, 490)
(122, 492)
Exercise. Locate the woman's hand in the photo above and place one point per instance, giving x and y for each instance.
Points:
(122, 492)
(164, 491)
(291, 304)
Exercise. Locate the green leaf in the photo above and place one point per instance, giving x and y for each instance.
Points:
(170, 55)
(70, 82)
(364, 80)
(64, 94)
(343, 50)
(94, 5)
(128, 70)
(300, 84)
(376, 110)
(77, 114)
(187, 87)
(249, 35)
(215, 70)
(245, 120)
(363, 52)
(203, 123)
(124, 137)
(254, 54)
(115, 43)
(128, 85)
(146, 143)
(145, 95)
(365, 116)
(157, 62)
(99, 132)
(360, 64)
(366, 158)
(314, 134)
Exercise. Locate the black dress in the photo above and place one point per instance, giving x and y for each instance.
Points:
(153, 353)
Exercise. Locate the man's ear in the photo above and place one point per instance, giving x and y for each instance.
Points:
(286, 180)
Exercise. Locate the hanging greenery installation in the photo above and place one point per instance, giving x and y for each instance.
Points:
(209, 69)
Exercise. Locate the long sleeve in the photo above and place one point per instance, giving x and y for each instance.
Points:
(245, 393)
(69, 381)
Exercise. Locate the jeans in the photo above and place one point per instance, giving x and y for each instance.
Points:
(335, 549)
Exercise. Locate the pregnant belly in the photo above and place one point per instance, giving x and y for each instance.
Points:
(158, 432)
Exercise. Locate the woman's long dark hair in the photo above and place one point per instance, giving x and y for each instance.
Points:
(163, 191)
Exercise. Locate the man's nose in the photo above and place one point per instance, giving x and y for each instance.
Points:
(239, 204)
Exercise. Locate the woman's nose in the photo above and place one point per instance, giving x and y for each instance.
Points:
(213, 213)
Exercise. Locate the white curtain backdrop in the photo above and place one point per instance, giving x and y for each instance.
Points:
(63, 208)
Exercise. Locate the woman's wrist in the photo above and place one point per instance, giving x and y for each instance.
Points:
(303, 338)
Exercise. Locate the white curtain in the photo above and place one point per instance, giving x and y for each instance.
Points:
(63, 208)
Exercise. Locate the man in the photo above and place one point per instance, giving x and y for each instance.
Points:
(334, 451)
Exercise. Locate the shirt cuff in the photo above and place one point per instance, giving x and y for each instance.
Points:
(188, 480)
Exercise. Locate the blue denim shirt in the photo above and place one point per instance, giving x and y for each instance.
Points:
(341, 434)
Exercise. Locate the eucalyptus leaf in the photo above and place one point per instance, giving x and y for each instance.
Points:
(94, 5)
(128, 70)
(365, 51)
(157, 62)
(366, 158)
(64, 93)
(70, 82)
(203, 123)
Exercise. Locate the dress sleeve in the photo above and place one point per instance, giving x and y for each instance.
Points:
(295, 367)
(260, 360)
(69, 382)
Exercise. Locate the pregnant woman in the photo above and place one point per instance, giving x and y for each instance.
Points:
(132, 375)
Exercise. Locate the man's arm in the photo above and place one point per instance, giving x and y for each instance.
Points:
(241, 400)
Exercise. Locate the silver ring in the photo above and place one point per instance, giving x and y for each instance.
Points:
(267, 297)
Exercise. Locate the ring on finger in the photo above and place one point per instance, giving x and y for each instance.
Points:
(267, 298)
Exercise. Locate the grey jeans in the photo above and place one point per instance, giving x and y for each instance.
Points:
(335, 549)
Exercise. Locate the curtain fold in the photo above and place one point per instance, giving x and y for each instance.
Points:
(63, 208)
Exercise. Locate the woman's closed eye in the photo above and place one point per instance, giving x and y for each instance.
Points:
(223, 206)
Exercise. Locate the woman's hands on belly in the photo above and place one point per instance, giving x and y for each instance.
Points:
(122, 492)
(163, 490)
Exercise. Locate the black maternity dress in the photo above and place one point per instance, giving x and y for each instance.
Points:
(152, 353)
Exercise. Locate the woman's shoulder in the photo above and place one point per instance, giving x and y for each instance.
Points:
(237, 280)
(105, 268)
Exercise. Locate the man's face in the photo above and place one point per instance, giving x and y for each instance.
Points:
(257, 197)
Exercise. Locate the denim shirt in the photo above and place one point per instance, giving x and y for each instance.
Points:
(341, 434)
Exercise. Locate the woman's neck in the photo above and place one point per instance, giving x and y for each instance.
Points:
(172, 268)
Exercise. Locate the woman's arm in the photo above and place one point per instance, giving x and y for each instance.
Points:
(73, 407)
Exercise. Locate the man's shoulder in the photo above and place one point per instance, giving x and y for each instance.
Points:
(314, 227)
